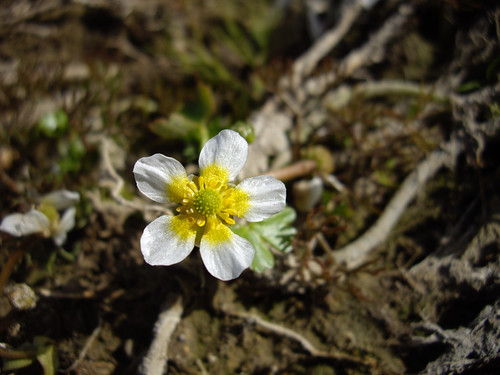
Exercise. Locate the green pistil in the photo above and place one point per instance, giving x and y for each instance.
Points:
(207, 202)
(48, 210)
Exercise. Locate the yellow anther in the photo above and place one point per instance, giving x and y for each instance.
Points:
(224, 216)
(192, 186)
(209, 200)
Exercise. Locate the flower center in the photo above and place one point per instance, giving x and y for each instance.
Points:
(207, 202)
(48, 210)
(206, 198)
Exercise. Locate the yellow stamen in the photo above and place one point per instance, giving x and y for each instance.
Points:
(210, 204)
(183, 225)
(177, 188)
(215, 173)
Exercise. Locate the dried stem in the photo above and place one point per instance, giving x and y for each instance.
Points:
(304, 65)
(369, 53)
(299, 169)
(155, 361)
(358, 251)
(291, 334)
(86, 347)
(118, 185)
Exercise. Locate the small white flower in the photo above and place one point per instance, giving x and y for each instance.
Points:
(207, 206)
(45, 220)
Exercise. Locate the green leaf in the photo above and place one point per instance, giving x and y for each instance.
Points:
(190, 121)
(54, 124)
(46, 354)
(469, 86)
(176, 127)
(42, 349)
(263, 258)
(16, 364)
(384, 178)
(246, 130)
(204, 105)
(495, 110)
(278, 229)
(71, 154)
(492, 69)
(343, 210)
(275, 233)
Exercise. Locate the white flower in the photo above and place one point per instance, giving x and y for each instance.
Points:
(207, 206)
(45, 220)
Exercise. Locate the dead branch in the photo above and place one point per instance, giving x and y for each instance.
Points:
(155, 361)
(86, 347)
(299, 169)
(371, 52)
(118, 183)
(305, 64)
(115, 183)
(295, 96)
(359, 251)
(295, 336)
(343, 95)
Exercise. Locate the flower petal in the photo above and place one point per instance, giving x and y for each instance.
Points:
(61, 199)
(65, 225)
(34, 221)
(11, 224)
(224, 253)
(60, 238)
(266, 196)
(227, 150)
(168, 240)
(25, 224)
(160, 178)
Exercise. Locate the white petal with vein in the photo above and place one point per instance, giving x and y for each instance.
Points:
(161, 246)
(227, 149)
(227, 260)
(154, 173)
(267, 197)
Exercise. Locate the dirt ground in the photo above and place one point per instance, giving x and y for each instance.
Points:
(424, 300)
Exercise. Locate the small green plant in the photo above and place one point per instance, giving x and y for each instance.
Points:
(192, 123)
(54, 124)
(41, 350)
(274, 233)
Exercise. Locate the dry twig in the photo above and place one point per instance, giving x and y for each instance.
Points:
(155, 361)
(118, 183)
(371, 52)
(118, 213)
(86, 347)
(357, 252)
(306, 63)
(295, 336)
(299, 169)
